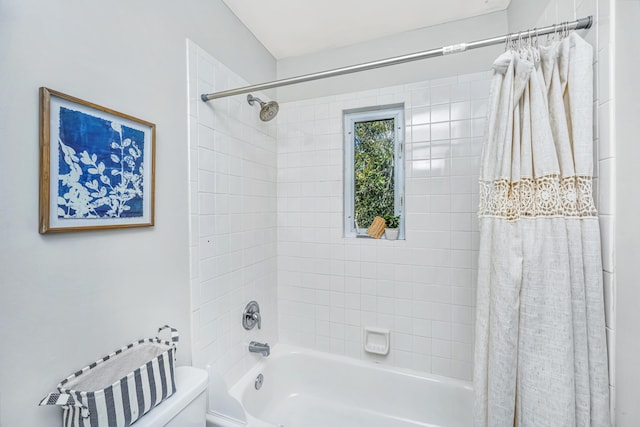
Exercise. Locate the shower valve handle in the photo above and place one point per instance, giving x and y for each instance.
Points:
(251, 316)
(257, 318)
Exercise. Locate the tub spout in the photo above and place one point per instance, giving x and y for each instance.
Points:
(258, 347)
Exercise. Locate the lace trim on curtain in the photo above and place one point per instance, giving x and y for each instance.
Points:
(546, 196)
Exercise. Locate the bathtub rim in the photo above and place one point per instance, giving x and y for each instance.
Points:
(281, 350)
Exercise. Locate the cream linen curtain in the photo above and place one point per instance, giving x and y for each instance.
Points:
(540, 357)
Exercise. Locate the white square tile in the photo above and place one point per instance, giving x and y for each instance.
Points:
(421, 363)
(609, 299)
(420, 168)
(440, 95)
(403, 359)
(606, 203)
(441, 312)
(611, 351)
(462, 296)
(460, 91)
(402, 342)
(441, 348)
(420, 150)
(603, 75)
(462, 314)
(440, 203)
(462, 333)
(460, 185)
(420, 133)
(461, 129)
(386, 305)
(461, 110)
(420, 97)
(607, 238)
(422, 310)
(421, 345)
(420, 115)
(421, 327)
(462, 370)
(440, 149)
(440, 131)
(478, 127)
(479, 108)
(612, 404)
(480, 89)
(440, 113)
(440, 167)
(441, 330)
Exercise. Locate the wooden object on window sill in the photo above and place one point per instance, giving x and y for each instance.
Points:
(376, 229)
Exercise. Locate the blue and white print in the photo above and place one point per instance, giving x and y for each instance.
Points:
(100, 167)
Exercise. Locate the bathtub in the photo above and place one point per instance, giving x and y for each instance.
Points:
(306, 388)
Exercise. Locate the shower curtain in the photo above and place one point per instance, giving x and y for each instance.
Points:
(540, 356)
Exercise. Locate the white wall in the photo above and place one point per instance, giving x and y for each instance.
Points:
(68, 299)
(422, 288)
(524, 14)
(627, 128)
(395, 45)
(232, 219)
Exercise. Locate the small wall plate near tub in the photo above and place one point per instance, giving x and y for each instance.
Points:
(376, 340)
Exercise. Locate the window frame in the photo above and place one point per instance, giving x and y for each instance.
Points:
(351, 117)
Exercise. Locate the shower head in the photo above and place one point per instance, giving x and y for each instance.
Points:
(268, 110)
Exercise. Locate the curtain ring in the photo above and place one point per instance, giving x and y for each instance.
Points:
(520, 42)
(531, 37)
(512, 41)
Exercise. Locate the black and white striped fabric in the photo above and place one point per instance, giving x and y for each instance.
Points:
(128, 398)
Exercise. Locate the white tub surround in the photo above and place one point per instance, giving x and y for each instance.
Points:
(306, 388)
(422, 288)
(233, 222)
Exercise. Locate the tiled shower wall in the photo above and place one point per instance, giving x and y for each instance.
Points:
(329, 288)
(232, 219)
(422, 288)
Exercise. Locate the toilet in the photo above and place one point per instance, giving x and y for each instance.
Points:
(188, 405)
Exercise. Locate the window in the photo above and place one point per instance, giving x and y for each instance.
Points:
(374, 167)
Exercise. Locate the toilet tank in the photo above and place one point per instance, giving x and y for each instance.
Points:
(188, 405)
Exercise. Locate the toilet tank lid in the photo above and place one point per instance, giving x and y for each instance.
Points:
(190, 383)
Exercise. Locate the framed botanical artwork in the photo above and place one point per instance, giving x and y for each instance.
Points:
(97, 166)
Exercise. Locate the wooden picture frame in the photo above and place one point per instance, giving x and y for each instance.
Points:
(97, 166)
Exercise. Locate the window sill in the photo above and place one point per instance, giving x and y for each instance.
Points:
(366, 236)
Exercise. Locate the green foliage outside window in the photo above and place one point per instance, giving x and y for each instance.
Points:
(374, 170)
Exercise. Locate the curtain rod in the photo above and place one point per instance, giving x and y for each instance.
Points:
(579, 24)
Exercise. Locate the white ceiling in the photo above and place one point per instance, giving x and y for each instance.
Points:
(296, 27)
